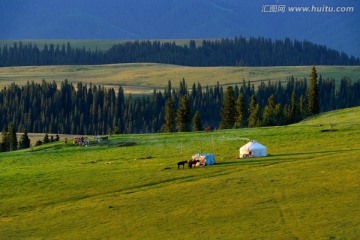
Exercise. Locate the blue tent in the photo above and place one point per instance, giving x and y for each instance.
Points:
(205, 158)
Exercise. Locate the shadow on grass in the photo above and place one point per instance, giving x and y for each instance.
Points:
(275, 159)
(317, 152)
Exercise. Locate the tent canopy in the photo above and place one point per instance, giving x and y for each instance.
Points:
(253, 149)
(207, 158)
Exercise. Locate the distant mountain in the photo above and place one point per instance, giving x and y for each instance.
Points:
(183, 19)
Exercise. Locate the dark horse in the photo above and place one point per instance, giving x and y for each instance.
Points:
(182, 163)
(193, 163)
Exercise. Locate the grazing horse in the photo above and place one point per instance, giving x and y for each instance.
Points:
(193, 163)
(190, 164)
(182, 163)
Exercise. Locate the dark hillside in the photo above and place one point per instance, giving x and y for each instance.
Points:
(178, 19)
(225, 52)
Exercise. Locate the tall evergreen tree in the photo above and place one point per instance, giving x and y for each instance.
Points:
(313, 93)
(46, 138)
(169, 125)
(228, 113)
(120, 105)
(13, 142)
(197, 125)
(184, 115)
(254, 111)
(254, 118)
(279, 114)
(241, 119)
(303, 107)
(24, 140)
(269, 112)
(253, 103)
(5, 141)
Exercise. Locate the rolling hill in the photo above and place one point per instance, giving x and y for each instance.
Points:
(178, 19)
(145, 77)
(307, 188)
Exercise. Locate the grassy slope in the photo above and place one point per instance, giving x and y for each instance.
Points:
(307, 188)
(145, 77)
(87, 44)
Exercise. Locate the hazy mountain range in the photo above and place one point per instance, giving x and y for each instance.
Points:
(181, 19)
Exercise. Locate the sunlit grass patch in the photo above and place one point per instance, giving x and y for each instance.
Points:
(307, 188)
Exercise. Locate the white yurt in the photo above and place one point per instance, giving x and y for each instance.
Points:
(253, 149)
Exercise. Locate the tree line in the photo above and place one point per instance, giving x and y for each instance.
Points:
(89, 109)
(238, 51)
(10, 142)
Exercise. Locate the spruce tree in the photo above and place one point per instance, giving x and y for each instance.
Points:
(5, 142)
(169, 124)
(293, 109)
(119, 110)
(24, 141)
(269, 112)
(254, 111)
(279, 114)
(313, 93)
(184, 115)
(197, 126)
(253, 102)
(46, 138)
(241, 119)
(303, 107)
(13, 142)
(254, 118)
(228, 113)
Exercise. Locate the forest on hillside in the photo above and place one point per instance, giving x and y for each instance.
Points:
(47, 107)
(238, 51)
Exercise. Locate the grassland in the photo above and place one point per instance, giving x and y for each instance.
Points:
(307, 188)
(144, 77)
(99, 44)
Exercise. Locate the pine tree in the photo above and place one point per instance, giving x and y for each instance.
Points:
(313, 93)
(13, 142)
(269, 112)
(5, 143)
(293, 109)
(253, 102)
(197, 126)
(228, 113)
(303, 107)
(24, 141)
(241, 119)
(46, 138)
(184, 115)
(182, 88)
(169, 124)
(279, 115)
(254, 118)
(254, 112)
(119, 110)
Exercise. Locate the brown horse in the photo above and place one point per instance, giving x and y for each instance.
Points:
(193, 163)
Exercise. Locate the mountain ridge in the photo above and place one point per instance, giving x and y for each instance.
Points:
(177, 19)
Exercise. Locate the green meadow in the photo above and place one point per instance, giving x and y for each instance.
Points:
(307, 188)
(87, 44)
(145, 77)
(91, 44)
